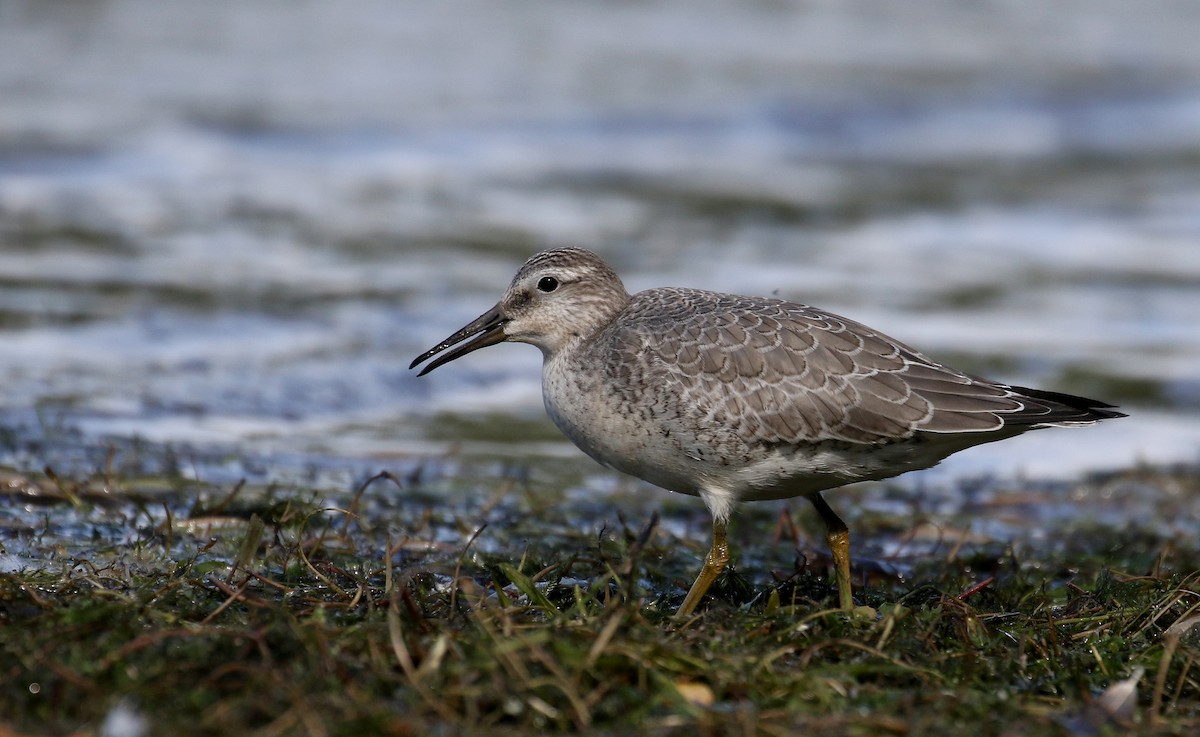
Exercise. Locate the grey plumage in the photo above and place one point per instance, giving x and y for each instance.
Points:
(734, 398)
(755, 374)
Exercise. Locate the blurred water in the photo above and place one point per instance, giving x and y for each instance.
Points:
(232, 225)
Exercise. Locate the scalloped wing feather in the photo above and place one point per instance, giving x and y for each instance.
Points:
(777, 372)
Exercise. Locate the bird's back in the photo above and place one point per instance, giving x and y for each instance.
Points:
(729, 380)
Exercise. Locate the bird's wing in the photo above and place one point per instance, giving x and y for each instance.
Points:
(780, 372)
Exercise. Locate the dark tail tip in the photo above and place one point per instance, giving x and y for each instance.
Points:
(1071, 408)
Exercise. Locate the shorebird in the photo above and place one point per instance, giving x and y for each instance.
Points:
(734, 398)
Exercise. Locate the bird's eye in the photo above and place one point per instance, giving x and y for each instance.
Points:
(547, 284)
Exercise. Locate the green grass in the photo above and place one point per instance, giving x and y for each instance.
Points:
(490, 604)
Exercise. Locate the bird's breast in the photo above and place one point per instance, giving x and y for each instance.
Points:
(618, 426)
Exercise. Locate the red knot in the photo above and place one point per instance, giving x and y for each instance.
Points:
(734, 398)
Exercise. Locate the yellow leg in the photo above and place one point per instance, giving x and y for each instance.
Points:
(718, 556)
(839, 545)
(838, 537)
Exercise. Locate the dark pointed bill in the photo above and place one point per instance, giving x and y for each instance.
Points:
(488, 329)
